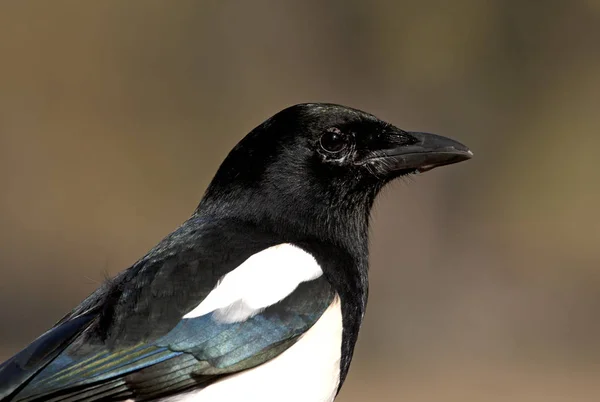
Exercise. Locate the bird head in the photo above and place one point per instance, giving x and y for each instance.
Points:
(318, 167)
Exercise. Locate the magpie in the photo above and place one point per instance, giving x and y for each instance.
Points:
(260, 294)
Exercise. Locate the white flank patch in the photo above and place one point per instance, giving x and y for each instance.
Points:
(306, 372)
(259, 282)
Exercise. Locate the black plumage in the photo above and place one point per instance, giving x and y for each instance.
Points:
(307, 176)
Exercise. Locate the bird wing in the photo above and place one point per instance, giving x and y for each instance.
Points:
(21, 368)
(195, 353)
(96, 354)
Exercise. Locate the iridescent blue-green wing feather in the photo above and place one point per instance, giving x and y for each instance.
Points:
(196, 352)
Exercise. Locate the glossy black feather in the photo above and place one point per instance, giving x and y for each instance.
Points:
(287, 181)
(138, 345)
(18, 371)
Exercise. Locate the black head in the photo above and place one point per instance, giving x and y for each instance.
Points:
(315, 169)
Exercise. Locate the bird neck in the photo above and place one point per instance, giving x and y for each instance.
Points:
(344, 226)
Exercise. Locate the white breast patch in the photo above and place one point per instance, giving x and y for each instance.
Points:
(259, 282)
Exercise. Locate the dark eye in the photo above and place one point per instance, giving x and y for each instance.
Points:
(334, 141)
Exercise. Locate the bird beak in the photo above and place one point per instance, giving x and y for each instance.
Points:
(428, 152)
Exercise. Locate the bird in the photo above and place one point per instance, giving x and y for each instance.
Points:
(260, 294)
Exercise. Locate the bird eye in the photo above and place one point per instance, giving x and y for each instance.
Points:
(334, 141)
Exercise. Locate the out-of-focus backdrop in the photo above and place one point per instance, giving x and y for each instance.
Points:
(485, 276)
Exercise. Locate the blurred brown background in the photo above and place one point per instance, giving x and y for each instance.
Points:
(114, 115)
